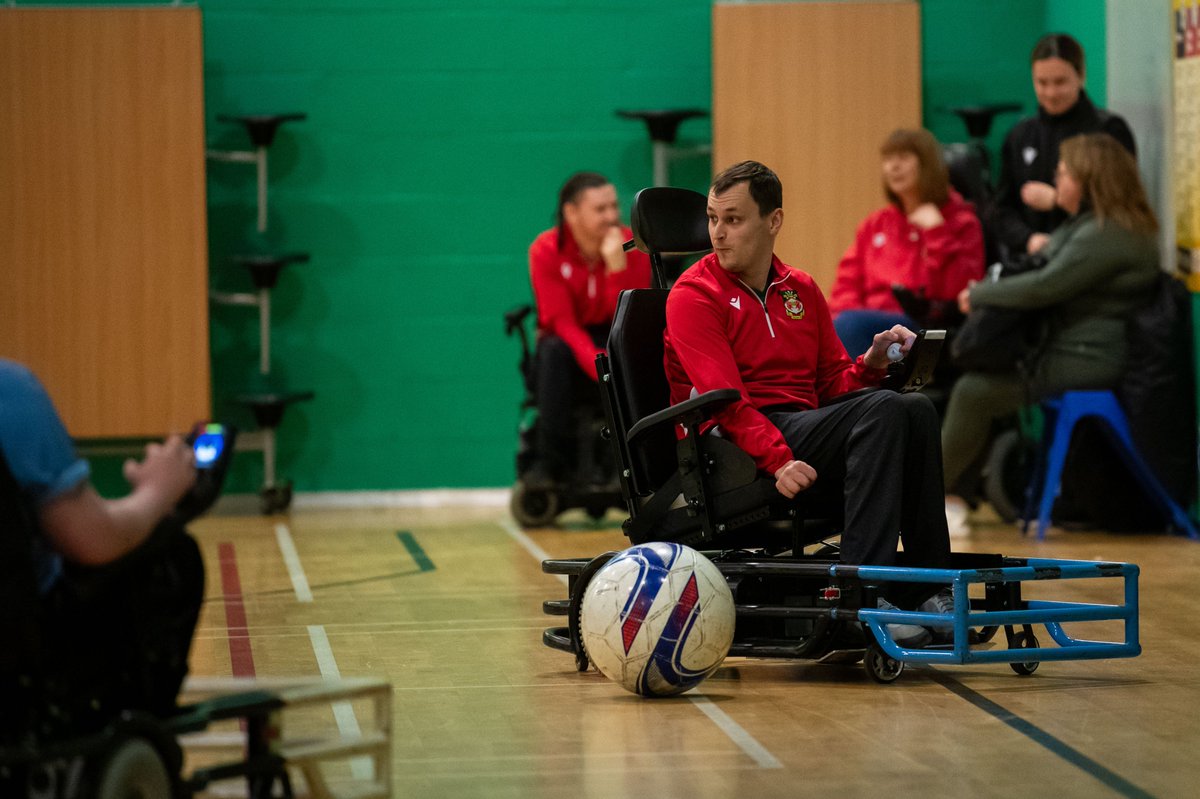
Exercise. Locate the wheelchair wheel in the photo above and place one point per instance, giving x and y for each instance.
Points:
(133, 770)
(1024, 640)
(533, 507)
(1006, 474)
(882, 667)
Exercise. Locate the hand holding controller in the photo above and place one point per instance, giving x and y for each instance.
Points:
(212, 447)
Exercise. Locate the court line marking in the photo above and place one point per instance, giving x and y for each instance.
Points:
(530, 546)
(1055, 745)
(291, 559)
(414, 549)
(734, 731)
(241, 656)
(362, 767)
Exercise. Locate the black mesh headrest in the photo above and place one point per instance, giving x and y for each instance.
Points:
(670, 221)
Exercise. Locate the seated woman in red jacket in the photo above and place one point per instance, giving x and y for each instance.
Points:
(927, 239)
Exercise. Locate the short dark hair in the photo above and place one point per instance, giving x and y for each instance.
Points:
(765, 187)
(576, 184)
(1059, 45)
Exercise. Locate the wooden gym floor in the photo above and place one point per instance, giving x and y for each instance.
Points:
(445, 604)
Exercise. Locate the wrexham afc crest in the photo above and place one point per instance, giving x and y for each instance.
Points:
(792, 305)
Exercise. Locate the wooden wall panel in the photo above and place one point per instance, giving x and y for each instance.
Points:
(103, 245)
(811, 90)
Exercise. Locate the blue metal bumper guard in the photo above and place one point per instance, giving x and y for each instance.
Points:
(1050, 614)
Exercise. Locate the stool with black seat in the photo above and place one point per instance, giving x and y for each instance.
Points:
(699, 489)
(663, 127)
(1062, 413)
(261, 128)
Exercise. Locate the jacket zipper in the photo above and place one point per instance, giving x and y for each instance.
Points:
(762, 301)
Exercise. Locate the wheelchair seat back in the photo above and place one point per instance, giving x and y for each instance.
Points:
(635, 348)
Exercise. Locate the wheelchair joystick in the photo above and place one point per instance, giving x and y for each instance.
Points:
(893, 352)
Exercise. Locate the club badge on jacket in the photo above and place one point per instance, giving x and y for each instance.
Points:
(792, 305)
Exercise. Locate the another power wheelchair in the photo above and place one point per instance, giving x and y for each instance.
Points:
(793, 598)
(592, 482)
(62, 732)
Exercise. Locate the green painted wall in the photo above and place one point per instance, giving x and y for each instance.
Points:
(438, 134)
(437, 138)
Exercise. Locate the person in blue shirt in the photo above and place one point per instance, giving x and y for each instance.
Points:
(117, 586)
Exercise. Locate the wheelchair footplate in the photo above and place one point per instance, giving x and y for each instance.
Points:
(818, 609)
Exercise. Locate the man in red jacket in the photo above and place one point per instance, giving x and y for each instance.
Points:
(577, 269)
(741, 318)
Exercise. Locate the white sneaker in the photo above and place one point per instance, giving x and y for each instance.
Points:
(906, 636)
(956, 517)
(941, 602)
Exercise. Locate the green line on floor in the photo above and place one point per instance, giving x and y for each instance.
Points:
(414, 549)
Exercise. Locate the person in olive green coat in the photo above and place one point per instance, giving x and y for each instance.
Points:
(1101, 267)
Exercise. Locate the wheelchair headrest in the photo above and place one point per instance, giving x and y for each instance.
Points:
(670, 221)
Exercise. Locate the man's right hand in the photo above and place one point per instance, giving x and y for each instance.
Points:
(793, 477)
(165, 474)
(612, 249)
(1036, 242)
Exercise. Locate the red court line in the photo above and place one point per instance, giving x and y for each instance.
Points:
(240, 656)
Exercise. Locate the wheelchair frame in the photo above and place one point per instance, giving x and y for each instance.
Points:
(811, 606)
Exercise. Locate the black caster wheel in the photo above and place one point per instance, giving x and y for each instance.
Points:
(133, 770)
(1024, 640)
(981, 635)
(533, 507)
(882, 667)
(275, 499)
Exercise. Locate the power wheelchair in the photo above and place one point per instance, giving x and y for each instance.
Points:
(793, 598)
(591, 483)
(66, 733)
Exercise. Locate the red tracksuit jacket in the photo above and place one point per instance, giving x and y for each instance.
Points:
(572, 294)
(889, 249)
(781, 351)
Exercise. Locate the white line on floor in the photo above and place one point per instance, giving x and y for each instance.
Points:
(292, 560)
(518, 535)
(363, 768)
(736, 732)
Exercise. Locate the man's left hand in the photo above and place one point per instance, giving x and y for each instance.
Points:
(876, 357)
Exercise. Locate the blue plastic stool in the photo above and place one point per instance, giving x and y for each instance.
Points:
(1061, 415)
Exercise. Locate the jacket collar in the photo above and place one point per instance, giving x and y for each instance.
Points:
(1083, 110)
(780, 273)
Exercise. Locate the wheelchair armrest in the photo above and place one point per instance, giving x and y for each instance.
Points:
(693, 410)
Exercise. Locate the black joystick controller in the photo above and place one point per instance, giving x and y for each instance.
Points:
(212, 447)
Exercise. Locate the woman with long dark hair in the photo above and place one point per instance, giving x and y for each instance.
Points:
(1101, 267)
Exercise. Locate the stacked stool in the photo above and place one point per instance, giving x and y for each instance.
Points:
(267, 404)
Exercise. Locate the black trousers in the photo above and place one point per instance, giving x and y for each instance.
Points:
(117, 637)
(881, 454)
(560, 385)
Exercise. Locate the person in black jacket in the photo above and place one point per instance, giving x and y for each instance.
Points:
(1025, 210)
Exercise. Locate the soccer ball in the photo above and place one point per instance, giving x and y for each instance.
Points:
(658, 618)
